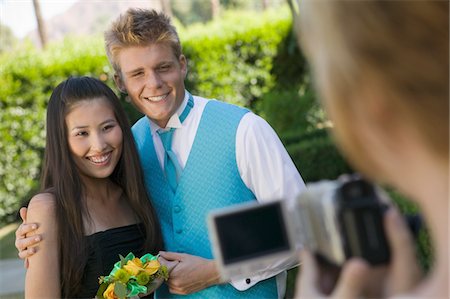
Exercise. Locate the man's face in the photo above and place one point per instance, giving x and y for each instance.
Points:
(153, 78)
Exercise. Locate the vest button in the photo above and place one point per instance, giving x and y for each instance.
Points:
(177, 209)
(179, 231)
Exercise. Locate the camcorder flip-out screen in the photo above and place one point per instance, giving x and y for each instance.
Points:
(335, 219)
(252, 234)
(246, 233)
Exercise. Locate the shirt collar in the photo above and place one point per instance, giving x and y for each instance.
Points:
(174, 120)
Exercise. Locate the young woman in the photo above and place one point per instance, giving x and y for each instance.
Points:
(93, 205)
(382, 71)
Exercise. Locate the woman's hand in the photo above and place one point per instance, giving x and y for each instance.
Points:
(358, 278)
(312, 282)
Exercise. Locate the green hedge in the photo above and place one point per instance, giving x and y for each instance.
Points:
(231, 59)
(317, 158)
(27, 78)
(246, 58)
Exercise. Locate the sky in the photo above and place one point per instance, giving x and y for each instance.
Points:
(19, 14)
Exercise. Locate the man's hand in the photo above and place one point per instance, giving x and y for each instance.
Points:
(23, 242)
(191, 274)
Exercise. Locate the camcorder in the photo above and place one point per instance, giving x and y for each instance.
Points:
(336, 220)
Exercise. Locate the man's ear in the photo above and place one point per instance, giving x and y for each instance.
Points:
(183, 63)
(119, 83)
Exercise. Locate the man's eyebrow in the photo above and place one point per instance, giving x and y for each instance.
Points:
(134, 71)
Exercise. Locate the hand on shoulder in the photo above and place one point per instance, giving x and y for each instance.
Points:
(41, 211)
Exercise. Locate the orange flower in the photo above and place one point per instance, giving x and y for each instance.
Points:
(109, 292)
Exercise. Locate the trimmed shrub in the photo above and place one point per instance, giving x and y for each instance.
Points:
(291, 112)
(230, 59)
(27, 79)
(317, 158)
(245, 58)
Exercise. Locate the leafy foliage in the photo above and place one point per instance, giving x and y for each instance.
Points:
(242, 44)
(27, 78)
(245, 58)
(317, 158)
(231, 59)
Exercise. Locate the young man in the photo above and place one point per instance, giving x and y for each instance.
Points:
(197, 155)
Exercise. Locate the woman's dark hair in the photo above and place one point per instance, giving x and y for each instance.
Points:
(60, 177)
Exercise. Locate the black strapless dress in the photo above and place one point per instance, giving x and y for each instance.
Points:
(104, 248)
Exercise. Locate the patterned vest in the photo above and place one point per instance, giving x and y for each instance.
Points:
(210, 180)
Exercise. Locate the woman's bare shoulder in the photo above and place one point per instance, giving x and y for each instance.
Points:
(41, 205)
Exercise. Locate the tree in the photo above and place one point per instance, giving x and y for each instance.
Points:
(166, 7)
(215, 8)
(40, 23)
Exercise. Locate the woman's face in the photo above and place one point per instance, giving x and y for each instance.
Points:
(95, 137)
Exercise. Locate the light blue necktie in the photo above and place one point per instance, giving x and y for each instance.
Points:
(172, 168)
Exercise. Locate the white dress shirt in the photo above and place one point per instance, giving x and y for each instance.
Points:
(263, 162)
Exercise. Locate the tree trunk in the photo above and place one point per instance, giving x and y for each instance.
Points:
(215, 8)
(166, 7)
(265, 4)
(40, 23)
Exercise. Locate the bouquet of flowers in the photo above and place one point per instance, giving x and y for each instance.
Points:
(132, 276)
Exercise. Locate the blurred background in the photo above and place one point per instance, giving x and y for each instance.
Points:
(240, 51)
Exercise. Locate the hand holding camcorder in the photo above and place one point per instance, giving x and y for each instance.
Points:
(336, 220)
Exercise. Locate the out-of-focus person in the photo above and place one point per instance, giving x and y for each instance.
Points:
(381, 69)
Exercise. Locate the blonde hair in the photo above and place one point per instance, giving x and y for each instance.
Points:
(140, 27)
(401, 45)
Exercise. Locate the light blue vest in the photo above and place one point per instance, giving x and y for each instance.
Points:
(210, 180)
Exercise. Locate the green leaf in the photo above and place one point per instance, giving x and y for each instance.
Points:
(101, 290)
(129, 256)
(122, 261)
(120, 290)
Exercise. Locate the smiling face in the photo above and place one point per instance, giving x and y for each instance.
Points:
(153, 77)
(95, 137)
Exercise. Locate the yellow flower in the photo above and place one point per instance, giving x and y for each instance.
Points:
(122, 275)
(152, 267)
(133, 266)
(109, 293)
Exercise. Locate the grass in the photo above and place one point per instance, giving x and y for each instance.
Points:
(7, 239)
